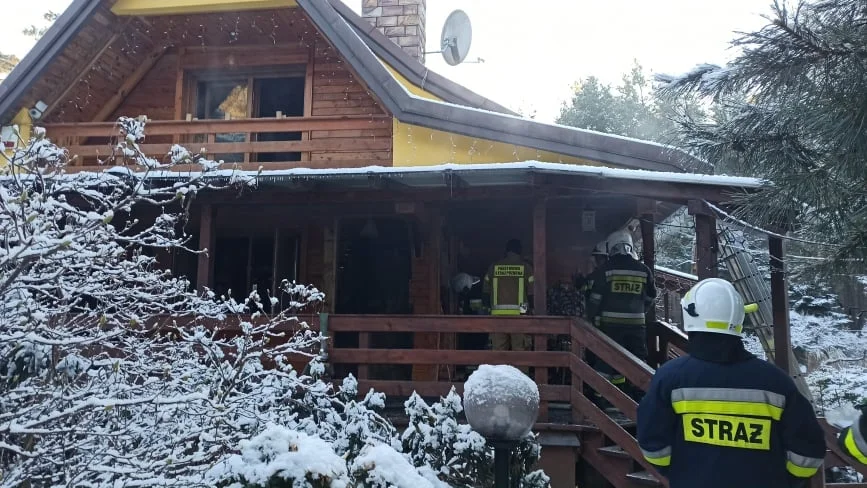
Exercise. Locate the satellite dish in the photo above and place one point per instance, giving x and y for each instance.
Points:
(456, 37)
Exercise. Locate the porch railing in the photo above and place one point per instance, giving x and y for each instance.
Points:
(607, 444)
(331, 136)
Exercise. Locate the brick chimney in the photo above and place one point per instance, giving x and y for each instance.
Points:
(402, 21)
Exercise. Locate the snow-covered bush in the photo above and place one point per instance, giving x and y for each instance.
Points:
(112, 371)
(115, 373)
(459, 455)
(280, 457)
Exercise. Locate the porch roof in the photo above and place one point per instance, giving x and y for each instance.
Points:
(643, 183)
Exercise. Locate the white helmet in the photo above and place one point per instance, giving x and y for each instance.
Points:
(462, 282)
(620, 242)
(713, 305)
(601, 249)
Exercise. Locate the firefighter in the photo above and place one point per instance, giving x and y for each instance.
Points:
(623, 290)
(600, 257)
(720, 417)
(509, 288)
(852, 438)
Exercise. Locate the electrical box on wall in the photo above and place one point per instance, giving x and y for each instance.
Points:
(588, 221)
(8, 138)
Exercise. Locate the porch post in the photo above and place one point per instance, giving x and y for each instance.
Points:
(207, 240)
(705, 240)
(780, 304)
(648, 247)
(540, 264)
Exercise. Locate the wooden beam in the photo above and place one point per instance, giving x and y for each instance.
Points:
(554, 359)
(540, 262)
(144, 68)
(648, 245)
(679, 193)
(308, 94)
(334, 144)
(706, 247)
(95, 59)
(180, 89)
(207, 240)
(233, 59)
(479, 324)
(780, 304)
(183, 127)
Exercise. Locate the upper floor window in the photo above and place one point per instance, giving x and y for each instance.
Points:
(250, 94)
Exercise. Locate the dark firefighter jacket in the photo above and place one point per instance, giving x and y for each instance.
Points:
(852, 440)
(722, 418)
(621, 292)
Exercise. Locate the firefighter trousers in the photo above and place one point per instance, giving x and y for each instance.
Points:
(512, 342)
(633, 338)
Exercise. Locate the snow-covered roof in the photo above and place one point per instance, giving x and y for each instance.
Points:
(677, 273)
(488, 174)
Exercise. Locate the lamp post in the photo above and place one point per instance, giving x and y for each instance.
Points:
(501, 404)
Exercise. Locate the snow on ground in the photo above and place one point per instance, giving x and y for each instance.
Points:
(833, 357)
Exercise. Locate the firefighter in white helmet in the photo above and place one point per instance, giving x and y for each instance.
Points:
(623, 290)
(600, 257)
(720, 417)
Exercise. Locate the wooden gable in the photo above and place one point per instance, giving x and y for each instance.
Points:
(130, 66)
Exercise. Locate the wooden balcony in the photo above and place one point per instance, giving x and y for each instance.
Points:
(324, 141)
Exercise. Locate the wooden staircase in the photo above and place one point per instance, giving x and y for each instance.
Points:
(608, 442)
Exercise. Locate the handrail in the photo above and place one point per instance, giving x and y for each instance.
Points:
(194, 127)
(627, 364)
(362, 138)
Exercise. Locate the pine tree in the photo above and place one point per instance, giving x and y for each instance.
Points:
(793, 111)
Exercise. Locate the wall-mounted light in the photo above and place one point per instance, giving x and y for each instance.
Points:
(37, 110)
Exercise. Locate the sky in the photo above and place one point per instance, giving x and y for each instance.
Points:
(535, 50)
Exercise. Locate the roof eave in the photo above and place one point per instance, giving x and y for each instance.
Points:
(43, 53)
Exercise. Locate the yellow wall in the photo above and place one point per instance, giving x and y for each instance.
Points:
(174, 7)
(419, 146)
(25, 131)
(414, 89)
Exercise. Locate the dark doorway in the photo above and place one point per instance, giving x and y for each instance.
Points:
(375, 267)
(284, 95)
(373, 275)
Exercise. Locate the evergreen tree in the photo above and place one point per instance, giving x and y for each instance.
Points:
(630, 109)
(794, 107)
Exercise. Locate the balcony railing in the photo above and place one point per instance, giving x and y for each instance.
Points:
(324, 139)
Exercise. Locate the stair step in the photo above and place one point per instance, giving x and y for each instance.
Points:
(644, 478)
(614, 451)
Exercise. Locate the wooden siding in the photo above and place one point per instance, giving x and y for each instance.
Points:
(130, 67)
(336, 91)
(155, 94)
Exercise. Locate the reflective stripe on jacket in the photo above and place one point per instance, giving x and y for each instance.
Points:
(853, 442)
(622, 290)
(722, 425)
(509, 282)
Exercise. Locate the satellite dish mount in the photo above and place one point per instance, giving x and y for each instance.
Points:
(456, 38)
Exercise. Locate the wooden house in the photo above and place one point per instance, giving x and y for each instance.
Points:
(380, 180)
